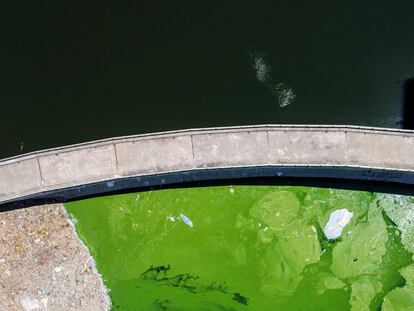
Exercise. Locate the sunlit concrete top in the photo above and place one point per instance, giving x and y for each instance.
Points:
(110, 160)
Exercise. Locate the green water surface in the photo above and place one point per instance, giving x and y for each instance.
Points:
(250, 248)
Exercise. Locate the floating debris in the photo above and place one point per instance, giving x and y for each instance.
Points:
(186, 220)
(336, 223)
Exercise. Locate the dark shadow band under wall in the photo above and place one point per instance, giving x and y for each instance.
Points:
(351, 178)
(408, 104)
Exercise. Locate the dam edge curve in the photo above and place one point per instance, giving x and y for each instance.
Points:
(183, 156)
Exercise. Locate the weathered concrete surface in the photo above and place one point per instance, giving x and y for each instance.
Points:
(44, 266)
(307, 147)
(231, 147)
(85, 165)
(382, 150)
(19, 177)
(155, 155)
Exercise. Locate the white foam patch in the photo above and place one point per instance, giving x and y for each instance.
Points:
(263, 70)
(261, 67)
(336, 223)
(284, 94)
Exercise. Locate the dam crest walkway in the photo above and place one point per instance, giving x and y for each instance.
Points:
(195, 155)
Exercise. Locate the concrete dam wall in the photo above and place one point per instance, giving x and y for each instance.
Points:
(149, 160)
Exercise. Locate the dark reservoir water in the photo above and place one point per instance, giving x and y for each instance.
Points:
(72, 71)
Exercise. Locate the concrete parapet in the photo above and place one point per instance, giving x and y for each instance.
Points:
(106, 162)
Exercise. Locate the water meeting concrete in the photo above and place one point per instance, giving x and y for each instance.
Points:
(107, 165)
(40, 240)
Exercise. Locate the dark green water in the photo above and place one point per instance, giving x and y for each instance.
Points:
(251, 248)
(73, 71)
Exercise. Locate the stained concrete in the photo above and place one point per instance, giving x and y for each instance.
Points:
(71, 167)
(307, 147)
(381, 150)
(43, 264)
(159, 154)
(230, 149)
(17, 177)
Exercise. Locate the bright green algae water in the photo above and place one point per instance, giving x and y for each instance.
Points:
(250, 248)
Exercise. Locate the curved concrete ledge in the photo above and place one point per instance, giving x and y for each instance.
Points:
(278, 151)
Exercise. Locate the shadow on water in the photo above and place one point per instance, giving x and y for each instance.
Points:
(408, 104)
(128, 185)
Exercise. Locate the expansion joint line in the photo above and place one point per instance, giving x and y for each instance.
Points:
(40, 170)
(192, 146)
(116, 160)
